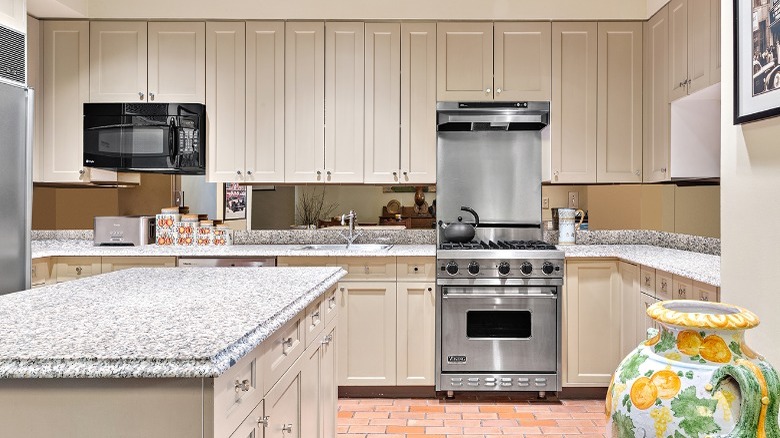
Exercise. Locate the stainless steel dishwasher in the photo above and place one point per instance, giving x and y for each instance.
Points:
(226, 262)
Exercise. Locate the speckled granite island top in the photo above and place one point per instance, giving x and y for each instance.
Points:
(696, 266)
(151, 322)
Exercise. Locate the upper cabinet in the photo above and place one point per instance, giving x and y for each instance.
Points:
(400, 90)
(13, 14)
(597, 102)
(35, 81)
(656, 98)
(130, 63)
(515, 61)
(694, 46)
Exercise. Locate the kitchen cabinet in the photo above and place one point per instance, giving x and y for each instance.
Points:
(574, 121)
(111, 264)
(40, 272)
(694, 39)
(705, 292)
(283, 406)
(682, 288)
(656, 145)
(35, 81)
(132, 61)
(415, 333)
(515, 61)
(226, 101)
(318, 387)
(73, 268)
(592, 322)
(619, 115)
(285, 348)
(644, 322)
(13, 14)
(664, 285)
(629, 296)
(400, 91)
(252, 426)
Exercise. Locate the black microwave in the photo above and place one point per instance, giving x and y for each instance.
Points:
(146, 137)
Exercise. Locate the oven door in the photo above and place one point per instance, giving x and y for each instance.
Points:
(499, 329)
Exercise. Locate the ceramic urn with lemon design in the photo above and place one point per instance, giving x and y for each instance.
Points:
(695, 378)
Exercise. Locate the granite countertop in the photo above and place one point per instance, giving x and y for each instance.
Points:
(66, 248)
(697, 266)
(151, 322)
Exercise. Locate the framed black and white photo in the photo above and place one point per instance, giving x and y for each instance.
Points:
(756, 60)
(235, 201)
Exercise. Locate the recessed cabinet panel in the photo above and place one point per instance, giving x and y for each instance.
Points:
(619, 146)
(226, 100)
(177, 62)
(656, 145)
(304, 124)
(574, 104)
(415, 340)
(118, 56)
(699, 42)
(678, 49)
(264, 102)
(13, 14)
(465, 61)
(383, 103)
(522, 61)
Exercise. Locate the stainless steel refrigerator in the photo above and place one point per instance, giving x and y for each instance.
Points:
(16, 120)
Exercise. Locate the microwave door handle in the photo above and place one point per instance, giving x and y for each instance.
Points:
(173, 144)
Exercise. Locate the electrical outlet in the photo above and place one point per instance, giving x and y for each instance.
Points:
(546, 203)
(574, 199)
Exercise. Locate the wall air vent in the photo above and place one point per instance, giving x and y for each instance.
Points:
(12, 66)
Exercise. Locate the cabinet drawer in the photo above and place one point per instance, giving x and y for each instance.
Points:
(314, 320)
(309, 261)
(330, 305)
(416, 269)
(237, 392)
(281, 349)
(683, 288)
(72, 268)
(705, 292)
(39, 274)
(369, 268)
(663, 285)
(111, 264)
(647, 281)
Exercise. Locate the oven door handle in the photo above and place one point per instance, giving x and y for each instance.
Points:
(535, 295)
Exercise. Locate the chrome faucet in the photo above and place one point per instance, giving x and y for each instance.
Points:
(351, 217)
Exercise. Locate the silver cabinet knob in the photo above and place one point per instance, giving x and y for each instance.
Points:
(81, 171)
(406, 174)
(327, 340)
(663, 170)
(140, 95)
(238, 172)
(151, 96)
(78, 270)
(287, 428)
(249, 172)
(319, 173)
(242, 385)
(636, 172)
(328, 172)
(487, 90)
(263, 421)
(498, 91)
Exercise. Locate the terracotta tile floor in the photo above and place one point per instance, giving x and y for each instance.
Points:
(432, 418)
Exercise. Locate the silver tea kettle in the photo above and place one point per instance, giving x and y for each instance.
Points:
(460, 232)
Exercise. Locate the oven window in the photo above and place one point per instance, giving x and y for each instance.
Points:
(149, 141)
(498, 324)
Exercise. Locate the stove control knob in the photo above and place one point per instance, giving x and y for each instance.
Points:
(473, 268)
(548, 268)
(452, 268)
(526, 268)
(503, 268)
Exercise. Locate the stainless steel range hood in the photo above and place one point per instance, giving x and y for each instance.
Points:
(492, 116)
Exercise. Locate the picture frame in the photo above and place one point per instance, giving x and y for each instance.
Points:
(235, 201)
(756, 60)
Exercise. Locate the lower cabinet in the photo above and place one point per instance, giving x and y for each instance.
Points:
(253, 426)
(415, 337)
(73, 268)
(283, 406)
(40, 273)
(629, 296)
(111, 264)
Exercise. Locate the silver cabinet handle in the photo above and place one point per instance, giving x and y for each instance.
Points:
(287, 428)
(263, 421)
(327, 340)
(636, 172)
(315, 314)
(406, 174)
(328, 172)
(288, 342)
(78, 270)
(238, 172)
(319, 173)
(242, 385)
(498, 91)
(395, 174)
(140, 96)
(151, 96)
(81, 171)
(663, 170)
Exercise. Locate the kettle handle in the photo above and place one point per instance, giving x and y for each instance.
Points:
(474, 213)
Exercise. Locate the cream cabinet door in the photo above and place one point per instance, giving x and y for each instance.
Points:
(465, 61)
(415, 339)
(383, 103)
(226, 101)
(252, 426)
(311, 363)
(678, 49)
(656, 147)
(418, 103)
(264, 102)
(593, 322)
(715, 41)
(574, 103)
(619, 136)
(367, 334)
(629, 297)
(283, 406)
(117, 64)
(328, 386)
(13, 14)
(65, 90)
(344, 106)
(522, 61)
(177, 62)
(35, 81)
(699, 42)
(304, 85)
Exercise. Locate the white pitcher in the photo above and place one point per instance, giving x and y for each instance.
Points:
(566, 226)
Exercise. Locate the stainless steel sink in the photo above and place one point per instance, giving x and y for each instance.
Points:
(368, 247)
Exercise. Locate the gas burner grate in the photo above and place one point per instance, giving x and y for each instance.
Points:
(500, 244)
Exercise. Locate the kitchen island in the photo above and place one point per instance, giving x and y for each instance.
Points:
(171, 353)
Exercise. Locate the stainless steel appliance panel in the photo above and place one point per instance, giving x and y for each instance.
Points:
(499, 329)
(226, 262)
(497, 173)
(15, 187)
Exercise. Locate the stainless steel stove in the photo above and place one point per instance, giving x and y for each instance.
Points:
(498, 298)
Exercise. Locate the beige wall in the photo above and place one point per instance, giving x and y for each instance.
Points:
(362, 9)
(750, 178)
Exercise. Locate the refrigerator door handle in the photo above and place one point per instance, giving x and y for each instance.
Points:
(30, 129)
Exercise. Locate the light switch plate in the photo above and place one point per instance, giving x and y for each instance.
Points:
(574, 199)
